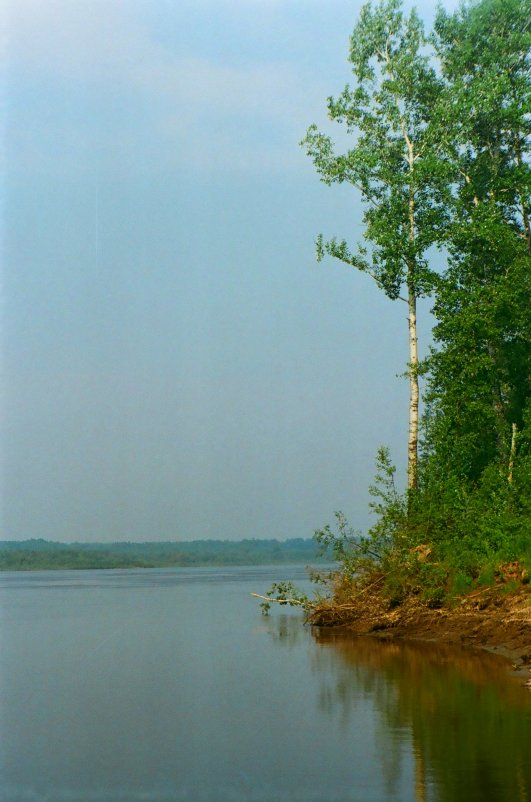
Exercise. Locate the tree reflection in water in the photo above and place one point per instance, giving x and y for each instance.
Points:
(286, 628)
(469, 721)
(464, 719)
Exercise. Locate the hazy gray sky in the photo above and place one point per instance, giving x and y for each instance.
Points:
(175, 363)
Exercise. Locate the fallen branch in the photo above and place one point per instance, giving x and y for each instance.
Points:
(280, 601)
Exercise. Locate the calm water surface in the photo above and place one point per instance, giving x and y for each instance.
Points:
(168, 686)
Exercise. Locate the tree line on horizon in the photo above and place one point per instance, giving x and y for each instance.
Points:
(39, 554)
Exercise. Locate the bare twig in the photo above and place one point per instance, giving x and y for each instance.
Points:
(280, 601)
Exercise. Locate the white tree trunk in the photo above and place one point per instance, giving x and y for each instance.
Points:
(413, 436)
(412, 454)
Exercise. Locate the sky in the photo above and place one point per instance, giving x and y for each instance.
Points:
(175, 363)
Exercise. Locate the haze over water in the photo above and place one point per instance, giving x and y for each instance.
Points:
(176, 365)
(169, 686)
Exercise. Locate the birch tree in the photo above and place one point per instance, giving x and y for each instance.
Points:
(396, 164)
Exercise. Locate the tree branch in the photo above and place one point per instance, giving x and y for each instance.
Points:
(279, 601)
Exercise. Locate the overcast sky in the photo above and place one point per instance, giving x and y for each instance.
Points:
(176, 365)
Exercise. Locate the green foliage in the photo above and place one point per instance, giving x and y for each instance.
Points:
(347, 546)
(441, 155)
(389, 110)
(355, 554)
(474, 492)
(478, 386)
(511, 586)
(461, 583)
(433, 595)
(487, 574)
(386, 541)
(390, 531)
(285, 593)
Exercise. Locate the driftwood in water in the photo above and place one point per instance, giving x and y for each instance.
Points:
(280, 601)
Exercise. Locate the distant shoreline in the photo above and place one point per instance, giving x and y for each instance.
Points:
(43, 555)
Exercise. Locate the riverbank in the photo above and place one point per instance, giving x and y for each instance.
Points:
(492, 618)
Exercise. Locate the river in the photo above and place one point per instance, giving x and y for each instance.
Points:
(169, 686)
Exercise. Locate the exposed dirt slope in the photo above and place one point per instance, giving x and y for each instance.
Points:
(490, 619)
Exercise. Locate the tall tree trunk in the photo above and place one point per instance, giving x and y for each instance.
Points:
(412, 455)
(412, 448)
(512, 453)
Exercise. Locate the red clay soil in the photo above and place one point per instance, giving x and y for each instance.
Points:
(490, 619)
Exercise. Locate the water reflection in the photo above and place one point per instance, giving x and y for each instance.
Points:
(171, 687)
(286, 629)
(469, 722)
(465, 721)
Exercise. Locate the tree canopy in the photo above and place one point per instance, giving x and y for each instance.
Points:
(440, 129)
